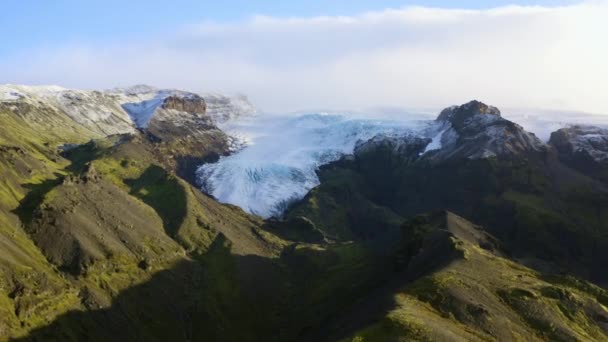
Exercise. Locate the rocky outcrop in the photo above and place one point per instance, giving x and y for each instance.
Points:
(476, 130)
(142, 103)
(470, 131)
(407, 146)
(588, 142)
(584, 148)
(190, 104)
(458, 115)
(223, 108)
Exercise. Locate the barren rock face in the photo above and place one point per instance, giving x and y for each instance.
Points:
(190, 104)
(585, 140)
(476, 130)
(457, 115)
(584, 148)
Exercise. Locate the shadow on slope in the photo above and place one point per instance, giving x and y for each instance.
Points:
(196, 300)
(35, 197)
(161, 191)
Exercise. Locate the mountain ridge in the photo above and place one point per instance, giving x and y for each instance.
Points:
(111, 239)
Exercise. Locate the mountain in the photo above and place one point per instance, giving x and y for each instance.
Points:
(584, 148)
(106, 235)
(475, 293)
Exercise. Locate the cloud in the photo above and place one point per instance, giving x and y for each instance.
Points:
(538, 57)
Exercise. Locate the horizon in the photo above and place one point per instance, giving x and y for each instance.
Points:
(543, 55)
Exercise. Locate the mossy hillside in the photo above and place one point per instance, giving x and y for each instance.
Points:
(229, 291)
(32, 292)
(486, 297)
(341, 209)
(536, 206)
(324, 282)
(133, 166)
(87, 219)
(29, 142)
(188, 216)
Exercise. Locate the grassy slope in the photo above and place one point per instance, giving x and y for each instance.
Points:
(232, 278)
(481, 296)
(32, 292)
(538, 207)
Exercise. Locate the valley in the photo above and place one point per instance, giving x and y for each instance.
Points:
(465, 227)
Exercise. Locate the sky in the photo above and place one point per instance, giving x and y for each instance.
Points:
(322, 55)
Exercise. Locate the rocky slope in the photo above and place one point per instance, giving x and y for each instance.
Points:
(471, 131)
(493, 172)
(475, 130)
(93, 110)
(141, 103)
(584, 148)
(474, 293)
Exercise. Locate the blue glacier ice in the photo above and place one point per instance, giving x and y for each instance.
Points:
(281, 154)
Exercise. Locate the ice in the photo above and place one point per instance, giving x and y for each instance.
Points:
(282, 153)
(142, 112)
(435, 143)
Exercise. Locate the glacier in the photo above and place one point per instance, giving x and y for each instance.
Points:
(280, 155)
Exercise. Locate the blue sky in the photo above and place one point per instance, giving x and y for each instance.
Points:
(286, 56)
(30, 23)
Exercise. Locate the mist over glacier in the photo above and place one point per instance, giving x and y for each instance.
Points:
(281, 154)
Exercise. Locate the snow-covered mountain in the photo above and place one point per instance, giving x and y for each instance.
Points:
(121, 110)
(97, 111)
(280, 154)
(141, 102)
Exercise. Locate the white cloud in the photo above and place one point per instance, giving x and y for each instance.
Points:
(413, 57)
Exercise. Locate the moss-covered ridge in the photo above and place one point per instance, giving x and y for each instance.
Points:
(77, 232)
(108, 241)
(481, 296)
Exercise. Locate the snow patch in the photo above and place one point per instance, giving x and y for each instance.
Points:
(142, 112)
(11, 96)
(435, 143)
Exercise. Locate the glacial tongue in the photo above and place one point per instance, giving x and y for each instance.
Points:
(279, 164)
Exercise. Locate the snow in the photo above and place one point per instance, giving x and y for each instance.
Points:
(10, 96)
(224, 108)
(282, 153)
(92, 109)
(435, 143)
(142, 101)
(142, 112)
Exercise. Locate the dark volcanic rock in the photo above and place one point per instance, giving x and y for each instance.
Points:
(471, 131)
(457, 115)
(587, 141)
(405, 146)
(584, 148)
(476, 131)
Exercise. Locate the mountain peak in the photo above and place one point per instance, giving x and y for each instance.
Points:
(457, 115)
(476, 130)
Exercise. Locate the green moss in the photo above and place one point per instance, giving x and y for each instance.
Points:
(574, 283)
(164, 193)
(35, 197)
